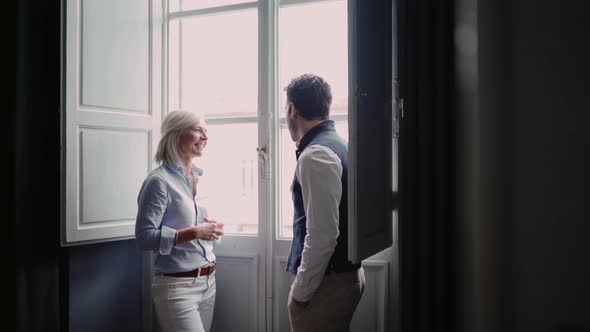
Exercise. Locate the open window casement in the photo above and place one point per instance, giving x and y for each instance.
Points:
(113, 108)
(373, 117)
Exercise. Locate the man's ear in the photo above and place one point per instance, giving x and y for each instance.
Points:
(293, 112)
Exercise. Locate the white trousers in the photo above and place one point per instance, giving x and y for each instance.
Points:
(184, 304)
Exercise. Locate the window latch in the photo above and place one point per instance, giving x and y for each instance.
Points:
(263, 164)
(398, 114)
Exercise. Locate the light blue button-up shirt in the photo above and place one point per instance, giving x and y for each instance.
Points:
(166, 203)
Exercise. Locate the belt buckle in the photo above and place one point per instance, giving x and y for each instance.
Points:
(202, 270)
(208, 268)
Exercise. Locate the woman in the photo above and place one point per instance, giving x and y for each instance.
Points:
(170, 223)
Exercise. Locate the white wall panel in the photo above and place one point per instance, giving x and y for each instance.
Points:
(236, 302)
(371, 312)
(113, 164)
(282, 284)
(115, 44)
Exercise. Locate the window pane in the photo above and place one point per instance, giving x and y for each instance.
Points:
(174, 65)
(228, 188)
(213, 70)
(320, 46)
(218, 65)
(183, 5)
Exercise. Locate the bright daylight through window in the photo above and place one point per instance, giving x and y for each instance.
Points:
(213, 69)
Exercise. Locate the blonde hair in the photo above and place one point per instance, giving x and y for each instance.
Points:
(172, 126)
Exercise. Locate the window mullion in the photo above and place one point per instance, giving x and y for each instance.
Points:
(268, 128)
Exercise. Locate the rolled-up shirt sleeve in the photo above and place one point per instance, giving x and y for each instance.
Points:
(152, 202)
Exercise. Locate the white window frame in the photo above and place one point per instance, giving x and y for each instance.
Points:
(269, 111)
(218, 118)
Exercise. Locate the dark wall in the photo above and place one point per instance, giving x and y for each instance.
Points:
(39, 259)
(83, 288)
(426, 164)
(104, 287)
(525, 228)
(551, 165)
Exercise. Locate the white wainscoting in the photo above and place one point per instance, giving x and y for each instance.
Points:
(282, 286)
(371, 312)
(236, 303)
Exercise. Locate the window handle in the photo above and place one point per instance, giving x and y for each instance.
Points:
(398, 114)
(263, 165)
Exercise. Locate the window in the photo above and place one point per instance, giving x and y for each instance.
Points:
(319, 46)
(213, 70)
(129, 63)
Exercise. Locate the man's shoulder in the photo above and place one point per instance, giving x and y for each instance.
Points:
(316, 149)
(318, 154)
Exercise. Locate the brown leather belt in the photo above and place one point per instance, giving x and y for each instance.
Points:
(203, 271)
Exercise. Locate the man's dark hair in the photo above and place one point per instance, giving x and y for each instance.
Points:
(311, 95)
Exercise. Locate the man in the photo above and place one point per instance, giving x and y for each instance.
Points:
(327, 286)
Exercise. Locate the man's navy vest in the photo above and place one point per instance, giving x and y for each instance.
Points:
(323, 134)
